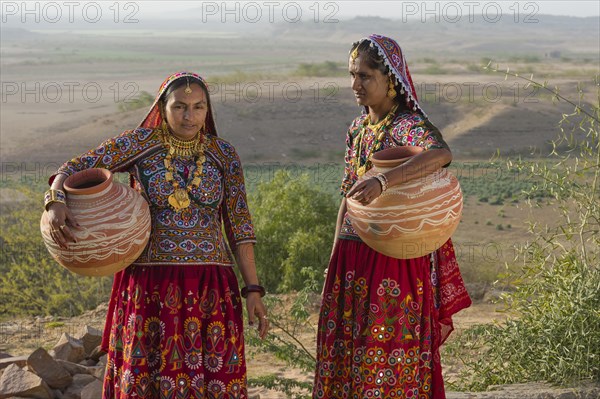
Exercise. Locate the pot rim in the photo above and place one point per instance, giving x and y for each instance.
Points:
(103, 175)
(395, 155)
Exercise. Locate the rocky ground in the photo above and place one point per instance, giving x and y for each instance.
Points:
(57, 358)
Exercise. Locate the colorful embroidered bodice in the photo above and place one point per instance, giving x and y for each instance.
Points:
(193, 235)
(407, 128)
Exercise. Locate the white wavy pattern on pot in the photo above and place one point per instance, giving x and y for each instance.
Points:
(449, 217)
(131, 218)
(426, 215)
(400, 191)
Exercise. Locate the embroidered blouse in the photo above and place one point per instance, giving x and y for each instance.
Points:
(407, 128)
(193, 235)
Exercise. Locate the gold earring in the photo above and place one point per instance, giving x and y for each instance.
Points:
(391, 90)
(164, 127)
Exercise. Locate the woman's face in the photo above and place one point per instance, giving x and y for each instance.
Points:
(186, 113)
(370, 86)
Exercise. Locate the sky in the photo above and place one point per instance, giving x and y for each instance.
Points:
(391, 8)
(60, 12)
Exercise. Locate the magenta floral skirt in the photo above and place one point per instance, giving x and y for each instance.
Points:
(383, 321)
(175, 332)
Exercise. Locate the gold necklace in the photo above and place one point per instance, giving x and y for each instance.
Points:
(184, 148)
(180, 199)
(379, 126)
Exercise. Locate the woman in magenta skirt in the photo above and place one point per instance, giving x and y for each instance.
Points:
(174, 327)
(382, 319)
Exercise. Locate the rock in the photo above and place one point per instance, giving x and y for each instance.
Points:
(476, 290)
(80, 381)
(90, 337)
(59, 395)
(531, 391)
(42, 364)
(252, 393)
(73, 368)
(102, 360)
(98, 372)
(20, 361)
(16, 381)
(5, 355)
(88, 363)
(69, 349)
(96, 354)
(493, 295)
(92, 391)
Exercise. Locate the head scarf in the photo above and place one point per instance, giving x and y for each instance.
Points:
(393, 57)
(153, 118)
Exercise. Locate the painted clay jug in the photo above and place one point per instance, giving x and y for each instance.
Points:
(411, 219)
(115, 224)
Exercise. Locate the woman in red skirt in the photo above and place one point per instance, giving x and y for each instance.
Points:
(383, 319)
(174, 327)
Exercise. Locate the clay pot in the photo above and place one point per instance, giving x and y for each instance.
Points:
(115, 224)
(411, 219)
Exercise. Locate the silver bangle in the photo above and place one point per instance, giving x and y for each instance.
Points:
(382, 180)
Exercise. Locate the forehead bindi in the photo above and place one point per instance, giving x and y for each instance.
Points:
(196, 97)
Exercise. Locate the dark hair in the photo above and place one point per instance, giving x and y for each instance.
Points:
(373, 59)
(180, 83)
(376, 61)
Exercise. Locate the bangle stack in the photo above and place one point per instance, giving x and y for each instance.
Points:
(52, 196)
(253, 288)
(382, 180)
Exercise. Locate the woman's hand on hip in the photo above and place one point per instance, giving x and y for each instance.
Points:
(365, 191)
(61, 223)
(256, 310)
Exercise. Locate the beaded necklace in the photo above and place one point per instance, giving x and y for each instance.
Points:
(180, 199)
(379, 131)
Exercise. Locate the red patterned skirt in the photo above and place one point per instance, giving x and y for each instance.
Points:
(383, 321)
(175, 332)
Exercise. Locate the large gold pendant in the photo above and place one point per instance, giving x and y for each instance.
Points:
(361, 171)
(179, 199)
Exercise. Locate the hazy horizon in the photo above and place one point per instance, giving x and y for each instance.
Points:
(242, 14)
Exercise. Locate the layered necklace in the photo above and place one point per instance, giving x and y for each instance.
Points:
(378, 130)
(180, 199)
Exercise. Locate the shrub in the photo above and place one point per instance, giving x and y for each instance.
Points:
(31, 282)
(295, 224)
(143, 99)
(553, 332)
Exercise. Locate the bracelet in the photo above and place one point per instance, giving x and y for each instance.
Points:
(51, 196)
(382, 180)
(253, 288)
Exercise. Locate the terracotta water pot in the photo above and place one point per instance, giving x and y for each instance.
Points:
(115, 224)
(411, 219)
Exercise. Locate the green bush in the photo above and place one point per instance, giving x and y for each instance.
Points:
(323, 69)
(142, 100)
(553, 330)
(295, 223)
(31, 282)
